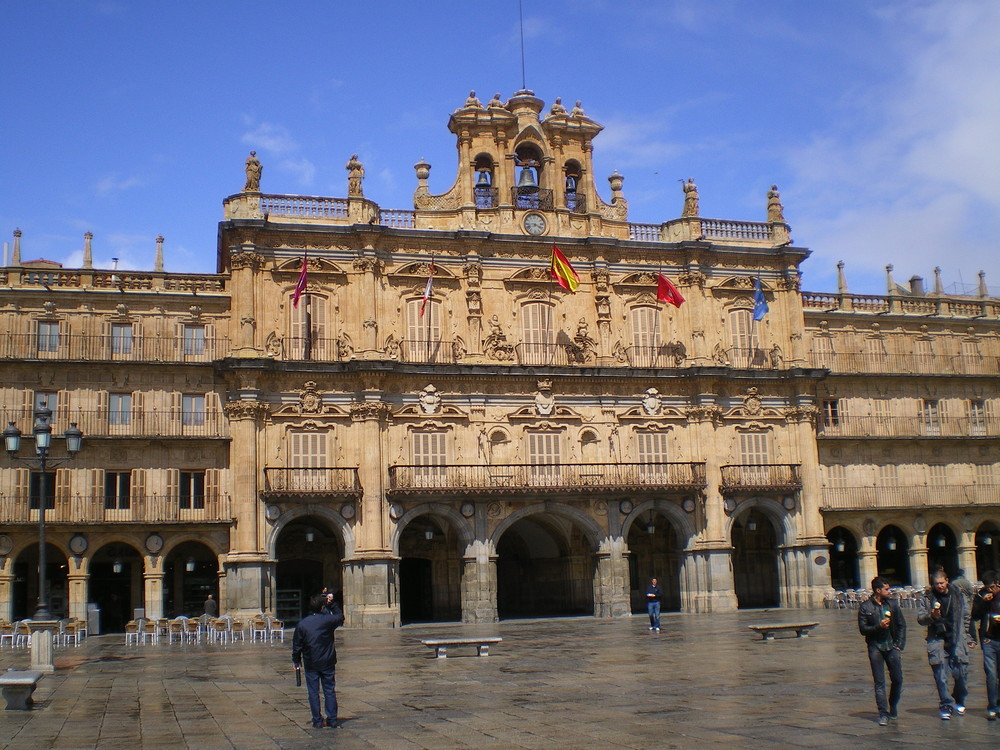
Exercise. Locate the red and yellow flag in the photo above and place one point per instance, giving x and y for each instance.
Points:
(562, 271)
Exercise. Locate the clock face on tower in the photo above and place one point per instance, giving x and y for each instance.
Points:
(534, 224)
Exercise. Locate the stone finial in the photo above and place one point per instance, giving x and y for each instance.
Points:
(423, 170)
(577, 110)
(616, 180)
(983, 291)
(158, 265)
(88, 256)
(355, 174)
(15, 256)
(775, 211)
(938, 285)
(254, 170)
(841, 278)
(690, 198)
(890, 283)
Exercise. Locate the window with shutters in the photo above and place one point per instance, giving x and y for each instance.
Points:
(47, 400)
(117, 490)
(423, 332)
(923, 350)
(308, 337)
(976, 415)
(429, 457)
(119, 408)
(651, 452)
(194, 340)
(192, 410)
(938, 475)
(307, 457)
(191, 490)
(888, 475)
(35, 491)
(875, 346)
(755, 452)
(836, 475)
(646, 340)
(823, 351)
(544, 457)
(48, 336)
(830, 412)
(743, 338)
(121, 338)
(536, 333)
(984, 474)
(930, 411)
(970, 348)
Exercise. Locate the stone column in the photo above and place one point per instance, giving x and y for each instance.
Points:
(368, 266)
(152, 584)
(77, 580)
(918, 564)
(611, 592)
(479, 583)
(6, 589)
(867, 563)
(245, 264)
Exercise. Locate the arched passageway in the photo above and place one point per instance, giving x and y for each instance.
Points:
(310, 556)
(191, 573)
(893, 557)
(26, 582)
(545, 568)
(655, 552)
(430, 572)
(942, 550)
(987, 549)
(844, 568)
(116, 585)
(755, 561)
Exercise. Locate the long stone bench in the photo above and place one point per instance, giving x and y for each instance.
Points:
(440, 645)
(767, 631)
(17, 687)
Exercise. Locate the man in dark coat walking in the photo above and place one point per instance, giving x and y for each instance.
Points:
(881, 622)
(313, 649)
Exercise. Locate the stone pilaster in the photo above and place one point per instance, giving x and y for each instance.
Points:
(479, 583)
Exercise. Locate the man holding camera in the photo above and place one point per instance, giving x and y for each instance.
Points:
(881, 622)
(944, 613)
(314, 649)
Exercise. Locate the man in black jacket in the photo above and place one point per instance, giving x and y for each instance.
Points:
(984, 626)
(944, 613)
(881, 622)
(313, 648)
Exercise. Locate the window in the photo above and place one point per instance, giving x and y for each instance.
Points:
(888, 475)
(47, 400)
(970, 348)
(35, 490)
(938, 475)
(117, 490)
(423, 333)
(194, 340)
(743, 337)
(831, 412)
(307, 452)
(192, 410)
(191, 491)
(754, 454)
(984, 474)
(652, 454)
(121, 338)
(923, 350)
(308, 338)
(976, 414)
(544, 457)
(823, 351)
(429, 458)
(930, 411)
(119, 408)
(536, 334)
(646, 341)
(882, 417)
(836, 475)
(48, 336)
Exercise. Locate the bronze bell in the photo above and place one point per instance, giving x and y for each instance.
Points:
(527, 179)
(483, 180)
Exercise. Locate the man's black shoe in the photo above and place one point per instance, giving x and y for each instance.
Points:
(332, 725)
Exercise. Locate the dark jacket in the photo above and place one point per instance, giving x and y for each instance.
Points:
(312, 643)
(656, 591)
(952, 627)
(871, 613)
(982, 627)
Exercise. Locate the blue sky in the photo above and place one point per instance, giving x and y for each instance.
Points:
(877, 119)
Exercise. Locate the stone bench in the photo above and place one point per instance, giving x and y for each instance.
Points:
(440, 645)
(767, 631)
(17, 687)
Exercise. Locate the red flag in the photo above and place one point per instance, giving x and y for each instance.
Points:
(667, 292)
(427, 289)
(562, 271)
(300, 285)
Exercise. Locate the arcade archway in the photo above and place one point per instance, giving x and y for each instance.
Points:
(942, 550)
(987, 549)
(844, 568)
(191, 573)
(116, 584)
(310, 556)
(755, 561)
(26, 582)
(430, 572)
(892, 555)
(655, 552)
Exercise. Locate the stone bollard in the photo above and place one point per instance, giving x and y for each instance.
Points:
(41, 651)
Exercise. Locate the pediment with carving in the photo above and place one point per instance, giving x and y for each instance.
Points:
(530, 275)
(316, 266)
(420, 270)
(414, 411)
(557, 412)
(740, 284)
(639, 413)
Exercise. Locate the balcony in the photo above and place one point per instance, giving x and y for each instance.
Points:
(546, 479)
(310, 481)
(435, 352)
(760, 478)
(858, 363)
(134, 423)
(100, 348)
(576, 202)
(531, 197)
(909, 427)
(664, 355)
(541, 355)
(486, 197)
(94, 509)
(908, 496)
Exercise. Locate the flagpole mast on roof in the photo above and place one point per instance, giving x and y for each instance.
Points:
(520, 14)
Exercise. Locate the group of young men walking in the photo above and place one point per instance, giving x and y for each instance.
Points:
(956, 621)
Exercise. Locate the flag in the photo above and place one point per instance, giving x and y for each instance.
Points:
(427, 289)
(760, 307)
(562, 271)
(667, 292)
(300, 285)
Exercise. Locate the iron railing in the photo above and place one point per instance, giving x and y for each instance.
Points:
(541, 354)
(129, 423)
(908, 496)
(486, 197)
(311, 480)
(750, 477)
(664, 355)
(905, 364)
(906, 427)
(531, 197)
(138, 508)
(111, 348)
(415, 350)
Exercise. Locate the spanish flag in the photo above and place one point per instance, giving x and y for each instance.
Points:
(562, 271)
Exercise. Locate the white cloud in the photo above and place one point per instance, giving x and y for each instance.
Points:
(114, 183)
(269, 136)
(303, 170)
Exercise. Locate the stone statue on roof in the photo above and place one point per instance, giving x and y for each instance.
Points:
(355, 173)
(495, 101)
(557, 107)
(254, 169)
(775, 211)
(690, 198)
(577, 110)
(472, 101)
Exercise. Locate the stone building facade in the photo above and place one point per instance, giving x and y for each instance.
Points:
(405, 406)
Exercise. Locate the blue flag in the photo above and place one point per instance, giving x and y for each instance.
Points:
(760, 307)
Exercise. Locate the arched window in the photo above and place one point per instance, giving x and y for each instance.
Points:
(527, 190)
(484, 191)
(575, 200)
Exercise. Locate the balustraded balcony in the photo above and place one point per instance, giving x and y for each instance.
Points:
(478, 479)
(18, 508)
(760, 478)
(285, 481)
(908, 496)
(100, 348)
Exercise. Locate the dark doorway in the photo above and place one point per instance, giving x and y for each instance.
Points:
(942, 550)
(430, 572)
(844, 570)
(416, 587)
(26, 582)
(116, 585)
(191, 574)
(893, 556)
(655, 553)
(987, 549)
(755, 561)
(309, 558)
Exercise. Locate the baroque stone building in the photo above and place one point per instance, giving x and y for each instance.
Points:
(425, 420)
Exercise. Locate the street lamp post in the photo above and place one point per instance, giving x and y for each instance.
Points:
(42, 431)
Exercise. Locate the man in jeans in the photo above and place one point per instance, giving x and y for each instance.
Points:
(653, 596)
(313, 648)
(985, 626)
(944, 613)
(881, 622)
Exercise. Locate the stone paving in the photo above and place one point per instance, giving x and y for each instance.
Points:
(705, 681)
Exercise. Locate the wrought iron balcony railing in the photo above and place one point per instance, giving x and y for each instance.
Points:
(131, 423)
(440, 352)
(575, 477)
(531, 197)
(576, 202)
(487, 197)
(108, 348)
(908, 496)
(761, 477)
(908, 427)
(664, 355)
(138, 508)
(905, 364)
(311, 480)
(543, 355)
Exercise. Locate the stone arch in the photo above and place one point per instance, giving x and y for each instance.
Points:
(458, 522)
(680, 520)
(775, 513)
(336, 520)
(593, 532)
